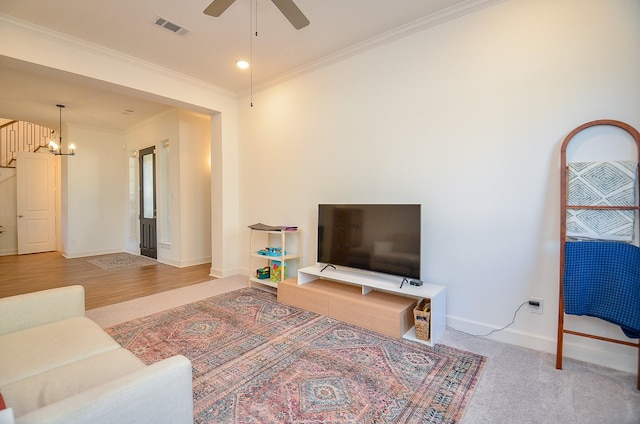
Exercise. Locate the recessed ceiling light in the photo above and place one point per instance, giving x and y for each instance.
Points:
(242, 64)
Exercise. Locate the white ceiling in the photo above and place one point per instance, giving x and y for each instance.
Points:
(208, 52)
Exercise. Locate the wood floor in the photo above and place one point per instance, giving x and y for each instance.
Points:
(28, 273)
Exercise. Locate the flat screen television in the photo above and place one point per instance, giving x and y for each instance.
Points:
(382, 238)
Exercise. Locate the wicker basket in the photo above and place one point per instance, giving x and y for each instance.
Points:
(422, 319)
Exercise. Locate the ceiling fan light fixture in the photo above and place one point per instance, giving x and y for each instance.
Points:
(288, 8)
(242, 64)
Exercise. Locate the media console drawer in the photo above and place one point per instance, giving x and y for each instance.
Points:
(385, 313)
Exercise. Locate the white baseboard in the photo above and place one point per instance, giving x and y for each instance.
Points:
(618, 357)
(167, 261)
(195, 261)
(184, 263)
(7, 252)
(219, 273)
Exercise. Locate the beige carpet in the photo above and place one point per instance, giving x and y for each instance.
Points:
(108, 316)
(518, 385)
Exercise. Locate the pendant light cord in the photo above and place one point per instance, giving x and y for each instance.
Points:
(60, 125)
(252, 5)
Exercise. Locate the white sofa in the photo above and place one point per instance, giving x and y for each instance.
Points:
(57, 366)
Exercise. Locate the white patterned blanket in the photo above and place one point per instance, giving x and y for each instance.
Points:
(601, 184)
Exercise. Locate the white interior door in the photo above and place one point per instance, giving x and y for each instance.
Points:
(35, 173)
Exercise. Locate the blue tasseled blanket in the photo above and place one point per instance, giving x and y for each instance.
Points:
(602, 279)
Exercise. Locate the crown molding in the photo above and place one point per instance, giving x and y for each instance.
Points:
(402, 31)
(109, 54)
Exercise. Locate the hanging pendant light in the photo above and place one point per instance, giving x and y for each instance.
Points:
(56, 148)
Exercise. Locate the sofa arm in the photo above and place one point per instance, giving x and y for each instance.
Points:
(32, 309)
(6, 416)
(161, 393)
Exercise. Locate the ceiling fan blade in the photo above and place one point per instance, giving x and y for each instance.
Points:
(292, 13)
(217, 7)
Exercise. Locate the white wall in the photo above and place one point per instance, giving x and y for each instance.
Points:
(467, 119)
(227, 229)
(94, 195)
(195, 188)
(189, 190)
(89, 196)
(8, 212)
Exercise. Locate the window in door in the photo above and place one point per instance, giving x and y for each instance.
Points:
(148, 225)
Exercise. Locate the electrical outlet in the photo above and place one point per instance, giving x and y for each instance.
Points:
(533, 308)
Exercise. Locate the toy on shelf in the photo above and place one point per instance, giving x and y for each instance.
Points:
(271, 251)
(278, 271)
(263, 273)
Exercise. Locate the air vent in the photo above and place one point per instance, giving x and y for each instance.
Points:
(171, 26)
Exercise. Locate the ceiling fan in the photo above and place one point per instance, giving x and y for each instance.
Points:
(287, 7)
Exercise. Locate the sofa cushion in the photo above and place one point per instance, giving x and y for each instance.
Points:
(37, 391)
(29, 310)
(35, 350)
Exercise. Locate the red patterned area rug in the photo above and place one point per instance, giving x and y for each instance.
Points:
(259, 361)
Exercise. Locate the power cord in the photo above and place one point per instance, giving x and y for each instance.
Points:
(497, 329)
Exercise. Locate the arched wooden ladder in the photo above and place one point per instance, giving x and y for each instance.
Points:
(563, 235)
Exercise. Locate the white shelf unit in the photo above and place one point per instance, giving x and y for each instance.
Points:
(369, 282)
(289, 241)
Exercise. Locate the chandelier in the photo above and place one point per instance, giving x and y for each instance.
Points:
(56, 148)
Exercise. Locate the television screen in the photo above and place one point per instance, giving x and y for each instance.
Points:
(372, 237)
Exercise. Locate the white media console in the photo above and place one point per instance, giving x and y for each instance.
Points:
(371, 284)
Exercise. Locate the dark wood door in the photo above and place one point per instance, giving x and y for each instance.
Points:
(148, 239)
